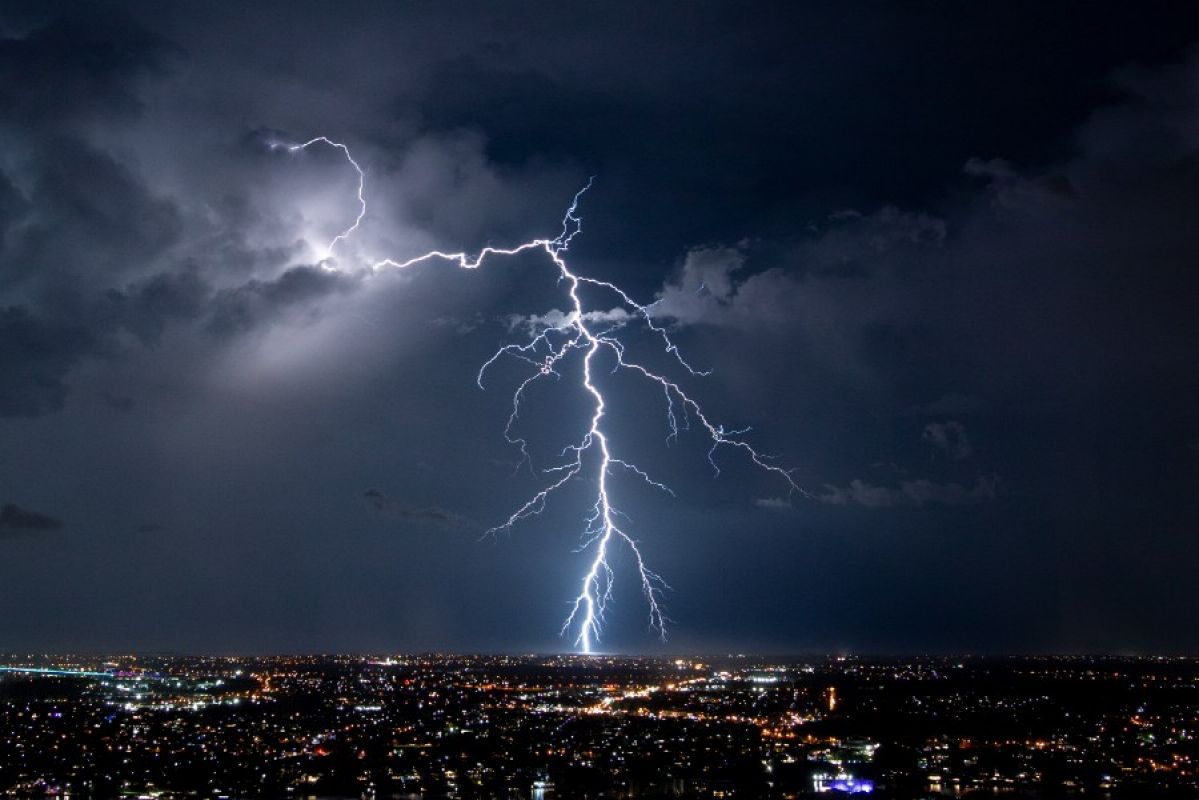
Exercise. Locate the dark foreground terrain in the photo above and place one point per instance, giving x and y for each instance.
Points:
(566, 727)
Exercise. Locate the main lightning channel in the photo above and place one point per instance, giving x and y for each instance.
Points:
(583, 332)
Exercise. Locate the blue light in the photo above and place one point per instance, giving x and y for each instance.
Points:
(852, 786)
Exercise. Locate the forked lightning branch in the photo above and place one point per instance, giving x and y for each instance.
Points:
(581, 335)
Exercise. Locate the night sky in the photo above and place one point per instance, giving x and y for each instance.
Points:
(940, 256)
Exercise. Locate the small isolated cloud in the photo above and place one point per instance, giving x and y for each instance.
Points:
(773, 503)
(397, 509)
(949, 437)
(16, 520)
(912, 493)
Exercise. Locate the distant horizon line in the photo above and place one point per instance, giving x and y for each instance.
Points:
(450, 654)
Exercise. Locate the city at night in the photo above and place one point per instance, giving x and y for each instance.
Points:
(550, 400)
(600, 726)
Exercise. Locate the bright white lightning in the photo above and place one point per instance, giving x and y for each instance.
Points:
(291, 148)
(544, 351)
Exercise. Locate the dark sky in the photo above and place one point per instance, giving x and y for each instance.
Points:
(941, 257)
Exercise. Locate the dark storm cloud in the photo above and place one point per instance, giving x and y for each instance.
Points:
(78, 69)
(399, 510)
(940, 258)
(244, 307)
(92, 249)
(35, 357)
(519, 99)
(1020, 302)
(949, 437)
(846, 278)
(145, 307)
(86, 218)
(788, 110)
(1030, 262)
(16, 520)
(913, 493)
(72, 217)
(71, 214)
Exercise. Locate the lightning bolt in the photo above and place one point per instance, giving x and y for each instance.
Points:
(581, 331)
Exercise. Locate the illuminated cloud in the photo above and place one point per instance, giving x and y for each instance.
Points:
(555, 318)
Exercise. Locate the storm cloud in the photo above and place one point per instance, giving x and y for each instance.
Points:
(405, 511)
(16, 520)
(939, 259)
(917, 493)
